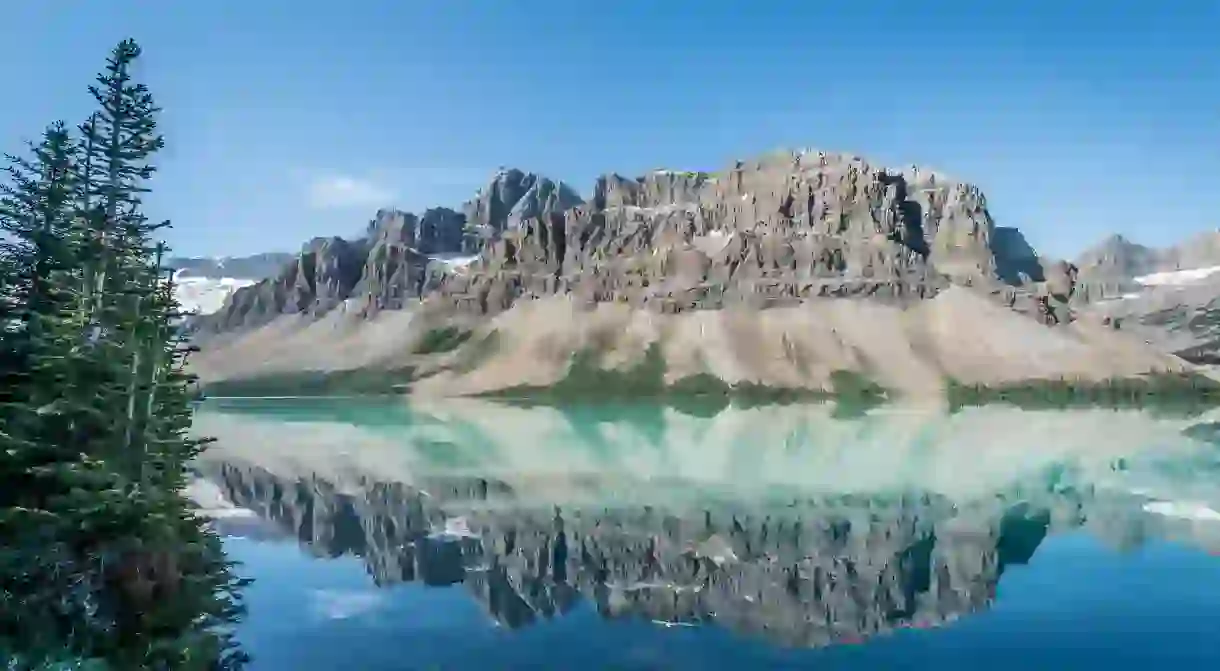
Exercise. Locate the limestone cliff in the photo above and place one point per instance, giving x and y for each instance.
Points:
(738, 274)
(313, 283)
(775, 231)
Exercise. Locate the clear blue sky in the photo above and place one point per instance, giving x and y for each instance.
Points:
(287, 119)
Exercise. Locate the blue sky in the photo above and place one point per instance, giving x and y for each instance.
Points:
(287, 119)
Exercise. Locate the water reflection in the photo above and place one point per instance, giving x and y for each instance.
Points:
(784, 523)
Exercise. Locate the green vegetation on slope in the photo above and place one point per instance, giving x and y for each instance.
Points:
(357, 382)
(1184, 392)
(586, 380)
(478, 351)
(444, 339)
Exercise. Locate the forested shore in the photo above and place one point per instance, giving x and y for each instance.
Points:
(103, 561)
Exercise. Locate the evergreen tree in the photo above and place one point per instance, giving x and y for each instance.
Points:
(34, 219)
(101, 557)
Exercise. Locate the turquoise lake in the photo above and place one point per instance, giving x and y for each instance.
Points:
(470, 535)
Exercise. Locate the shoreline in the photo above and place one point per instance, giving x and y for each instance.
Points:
(1185, 392)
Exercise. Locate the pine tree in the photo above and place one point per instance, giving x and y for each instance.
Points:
(102, 556)
(50, 487)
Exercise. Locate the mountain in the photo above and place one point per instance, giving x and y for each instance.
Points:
(784, 271)
(202, 284)
(1108, 270)
(1168, 296)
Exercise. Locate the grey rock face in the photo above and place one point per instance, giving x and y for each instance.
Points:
(396, 257)
(1016, 261)
(438, 230)
(1107, 270)
(318, 279)
(778, 230)
(1181, 318)
(511, 198)
(397, 262)
(781, 229)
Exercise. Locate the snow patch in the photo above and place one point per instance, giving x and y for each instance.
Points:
(203, 295)
(454, 262)
(1176, 277)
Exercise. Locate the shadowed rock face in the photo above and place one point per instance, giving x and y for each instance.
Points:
(802, 572)
(438, 230)
(317, 280)
(397, 262)
(512, 198)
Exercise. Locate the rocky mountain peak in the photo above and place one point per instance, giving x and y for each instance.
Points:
(1122, 255)
(315, 281)
(514, 196)
(437, 230)
(782, 228)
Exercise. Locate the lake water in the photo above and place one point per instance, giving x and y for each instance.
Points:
(469, 535)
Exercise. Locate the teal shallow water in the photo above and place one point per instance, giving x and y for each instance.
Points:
(468, 535)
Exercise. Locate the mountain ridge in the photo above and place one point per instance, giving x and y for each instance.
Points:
(790, 235)
(520, 205)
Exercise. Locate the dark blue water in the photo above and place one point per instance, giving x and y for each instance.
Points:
(1071, 542)
(1078, 605)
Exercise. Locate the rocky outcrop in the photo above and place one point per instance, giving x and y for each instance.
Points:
(512, 198)
(1108, 270)
(1168, 296)
(779, 230)
(439, 230)
(400, 245)
(317, 280)
(403, 256)
(782, 229)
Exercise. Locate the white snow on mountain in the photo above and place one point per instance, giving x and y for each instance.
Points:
(203, 295)
(454, 263)
(1171, 282)
(1177, 277)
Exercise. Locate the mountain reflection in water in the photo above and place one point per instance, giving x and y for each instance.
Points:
(784, 523)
